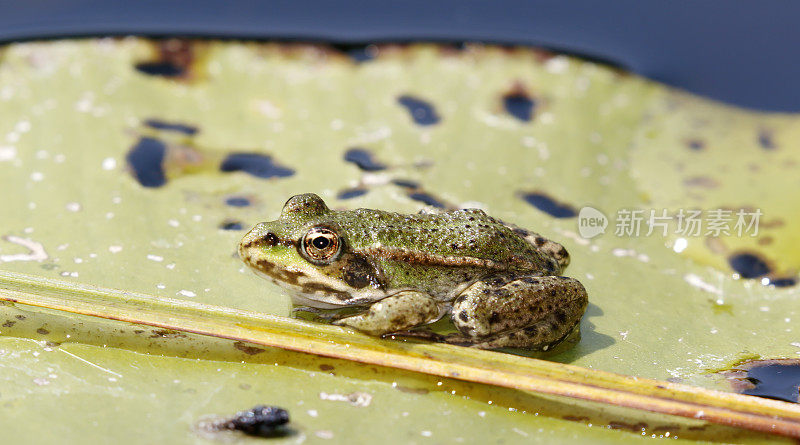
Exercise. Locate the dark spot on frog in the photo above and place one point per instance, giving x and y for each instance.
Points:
(364, 160)
(231, 225)
(696, 144)
(19, 317)
(463, 316)
(260, 421)
(145, 160)
(549, 205)
(326, 367)
(421, 111)
(157, 124)
(358, 272)
(174, 59)
(42, 331)
(9, 323)
(255, 164)
(138, 331)
(427, 199)
(494, 318)
(749, 265)
(352, 193)
(310, 288)
(765, 140)
(518, 104)
(247, 349)
(774, 379)
(238, 201)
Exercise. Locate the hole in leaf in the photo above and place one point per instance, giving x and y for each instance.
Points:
(145, 160)
(549, 205)
(421, 111)
(254, 164)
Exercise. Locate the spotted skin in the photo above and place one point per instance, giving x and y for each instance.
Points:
(545, 308)
(499, 283)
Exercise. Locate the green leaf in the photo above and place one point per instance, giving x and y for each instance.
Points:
(72, 111)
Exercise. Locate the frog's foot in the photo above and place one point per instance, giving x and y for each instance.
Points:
(530, 312)
(399, 312)
(538, 337)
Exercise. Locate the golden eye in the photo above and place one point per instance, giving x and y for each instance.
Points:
(321, 245)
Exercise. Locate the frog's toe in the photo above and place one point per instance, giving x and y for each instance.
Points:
(418, 334)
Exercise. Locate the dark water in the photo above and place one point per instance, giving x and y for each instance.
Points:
(740, 52)
(775, 381)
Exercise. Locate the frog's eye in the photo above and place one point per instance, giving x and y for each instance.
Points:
(321, 245)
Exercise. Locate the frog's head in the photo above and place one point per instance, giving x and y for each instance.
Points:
(306, 251)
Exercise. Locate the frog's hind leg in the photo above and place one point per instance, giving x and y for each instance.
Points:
(552, 248)
(398, 312)
(531, 312)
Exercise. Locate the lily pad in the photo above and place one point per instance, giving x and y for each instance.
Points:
(131, 164)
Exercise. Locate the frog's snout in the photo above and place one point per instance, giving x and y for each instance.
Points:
(252, 239)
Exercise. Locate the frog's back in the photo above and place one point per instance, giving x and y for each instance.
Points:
(458, 236)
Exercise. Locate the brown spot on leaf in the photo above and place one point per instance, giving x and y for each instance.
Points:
(410, 390)
(174, 60)
(167, 333)
(247, 349)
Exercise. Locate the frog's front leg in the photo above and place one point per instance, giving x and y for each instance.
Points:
(532, 312)
(401, 311)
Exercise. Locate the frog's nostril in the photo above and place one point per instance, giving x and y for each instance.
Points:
(270, 239)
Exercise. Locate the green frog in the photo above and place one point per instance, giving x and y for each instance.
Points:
(500, 284)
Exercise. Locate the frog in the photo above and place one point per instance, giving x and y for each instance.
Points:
(500, 284)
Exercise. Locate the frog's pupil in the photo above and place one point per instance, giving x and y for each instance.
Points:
(320, 242)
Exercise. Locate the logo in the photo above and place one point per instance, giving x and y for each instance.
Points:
(591, 222)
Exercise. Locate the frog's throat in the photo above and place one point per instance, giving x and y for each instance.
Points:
(313, 288)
